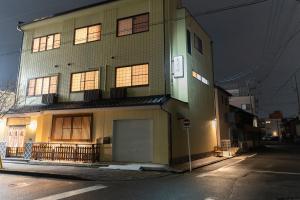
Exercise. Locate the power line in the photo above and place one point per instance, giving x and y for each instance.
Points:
(231, 7)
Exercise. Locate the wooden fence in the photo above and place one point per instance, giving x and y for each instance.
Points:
(66, 152)
(17, 152)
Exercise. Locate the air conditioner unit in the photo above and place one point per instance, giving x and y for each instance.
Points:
(92, 95)
(118, 93)
(49, 99)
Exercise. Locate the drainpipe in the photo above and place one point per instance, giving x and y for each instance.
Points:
(165, 53)
(169, 132)
(20, 60)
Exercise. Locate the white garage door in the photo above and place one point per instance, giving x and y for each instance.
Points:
(133, 141)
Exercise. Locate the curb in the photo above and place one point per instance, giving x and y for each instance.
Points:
(43, 175)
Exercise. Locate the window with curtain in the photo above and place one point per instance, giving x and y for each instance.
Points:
(44, 85)
(72, 127)
(137, 75)
(135, 24)
(88, 34)
(85, 81)
(46, 43)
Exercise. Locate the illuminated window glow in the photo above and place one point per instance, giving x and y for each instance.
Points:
(46, 43)
(137, 75)
(200, 78)
(88, 34)
(85, 81)
(131, 25)
(45, 85)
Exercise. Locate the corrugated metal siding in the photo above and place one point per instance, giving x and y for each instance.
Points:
(128, 50)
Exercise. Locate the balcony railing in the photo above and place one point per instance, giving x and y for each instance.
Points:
(66, 152)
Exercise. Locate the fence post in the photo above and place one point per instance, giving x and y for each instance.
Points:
(93, 153)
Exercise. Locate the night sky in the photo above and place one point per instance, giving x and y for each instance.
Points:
(256, 45)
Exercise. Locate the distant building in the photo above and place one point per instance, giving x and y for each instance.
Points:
(244, 101)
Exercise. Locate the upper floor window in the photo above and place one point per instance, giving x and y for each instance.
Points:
(135, 24)
(198, 44)
(137, 75)
(88, 34)
(85, 81)
(188, 41)
(46, 43)
(45, 85)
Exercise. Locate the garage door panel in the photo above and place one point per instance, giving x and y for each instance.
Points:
(133, 141)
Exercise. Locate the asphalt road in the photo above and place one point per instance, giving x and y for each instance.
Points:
(273, 173)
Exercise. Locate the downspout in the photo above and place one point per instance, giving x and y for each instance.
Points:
(20, 60)
(165, 53)
(214, 93)
(169, 132)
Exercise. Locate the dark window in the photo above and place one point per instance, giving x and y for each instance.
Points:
(72, 128)
(188, 40)
(135, 24)
(198, 44)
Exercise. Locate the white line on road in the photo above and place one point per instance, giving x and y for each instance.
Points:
(276, 172)
(73, 193)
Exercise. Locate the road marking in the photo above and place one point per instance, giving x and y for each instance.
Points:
(225, 167)
(276, 172)
(73, 193)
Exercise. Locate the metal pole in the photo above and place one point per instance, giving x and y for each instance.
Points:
(189, 147)
(298, 100)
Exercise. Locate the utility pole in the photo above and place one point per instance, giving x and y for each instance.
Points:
(297, 91)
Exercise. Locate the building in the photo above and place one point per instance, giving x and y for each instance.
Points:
(245, 132)
(113, 82)
(242, 99)
(222, 112)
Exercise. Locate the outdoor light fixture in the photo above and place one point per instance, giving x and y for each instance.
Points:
(275, 134)
(214, 123)
(268, 122)
(33, 125)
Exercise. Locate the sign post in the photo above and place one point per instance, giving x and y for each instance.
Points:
(1, 165)
(187, 125)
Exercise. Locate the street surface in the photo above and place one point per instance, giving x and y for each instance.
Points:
(273, 173)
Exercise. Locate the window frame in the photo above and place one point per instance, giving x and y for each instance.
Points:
(87, 36)
(28, 82)
(189, 41)
(72, 116)
(92, 70)
(133, 33)
(196, 37)
(132, 86)
(46, 42)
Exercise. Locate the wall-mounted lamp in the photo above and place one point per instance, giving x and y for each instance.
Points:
(33, 125)
(214, 123)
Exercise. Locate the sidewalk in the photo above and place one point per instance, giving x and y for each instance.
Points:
(98, 173)
(77, 173)
(181, 168)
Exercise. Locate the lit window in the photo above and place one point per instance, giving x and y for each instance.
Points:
(88, 34)
(72, 128)
(132, 76)
(136, 24)
(85, 81)
(39, 86)
(43, 44)
(46, 43)
(198, 44)
(200, 78)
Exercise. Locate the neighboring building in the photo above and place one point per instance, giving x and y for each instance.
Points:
(122, 74)
(243, 101)
(244, 130)
(222, 112)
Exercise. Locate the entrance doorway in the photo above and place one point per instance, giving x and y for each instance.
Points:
(16, 138)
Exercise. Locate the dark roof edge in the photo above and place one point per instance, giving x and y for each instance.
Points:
(225, 91)
(66, 12)
(241, 110)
